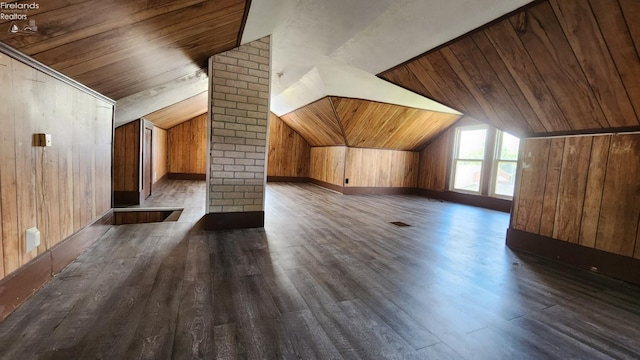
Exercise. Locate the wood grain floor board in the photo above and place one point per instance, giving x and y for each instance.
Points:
(310, 339)
(282, 291)
(327, 278)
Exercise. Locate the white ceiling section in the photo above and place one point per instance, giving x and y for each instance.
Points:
(347, 81)
(321, 48)
(148, 101)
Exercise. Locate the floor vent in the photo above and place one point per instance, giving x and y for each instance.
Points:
(399, 223)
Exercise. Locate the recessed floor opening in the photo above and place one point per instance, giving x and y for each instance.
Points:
(122, 216)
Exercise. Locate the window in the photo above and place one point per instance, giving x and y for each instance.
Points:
(504, 174)
(484, 161)
(469, 158)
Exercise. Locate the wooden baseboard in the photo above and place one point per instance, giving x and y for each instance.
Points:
(327, 185)
(234, 220)
(485, 202)
(24, 282)
(349, 190)
(184, 176)
(614, 265)
(159, 182)
(291, 179)
(19, 286)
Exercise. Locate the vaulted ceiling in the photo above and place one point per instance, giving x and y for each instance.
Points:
(550, 68)
(132, 50)
(361, 123)
(560, 66)
(555, 66)
(177, 113)
(353, 38)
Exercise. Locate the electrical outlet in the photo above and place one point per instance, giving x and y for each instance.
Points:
(32, 238)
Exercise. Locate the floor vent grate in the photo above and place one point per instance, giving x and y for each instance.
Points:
(399, 223)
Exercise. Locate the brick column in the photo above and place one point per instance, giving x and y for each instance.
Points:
(239, 86)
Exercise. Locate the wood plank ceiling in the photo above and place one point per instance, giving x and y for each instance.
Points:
(120, 48)
(559, 66)
(317, 123)
(178, 113)
(333, 121)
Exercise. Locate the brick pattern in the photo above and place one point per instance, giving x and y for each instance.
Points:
(239, 116)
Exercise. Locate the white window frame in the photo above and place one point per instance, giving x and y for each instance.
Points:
(494, 170)
(455, 158)
(493, 145)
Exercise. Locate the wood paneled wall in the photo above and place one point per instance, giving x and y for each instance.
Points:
(434, 162)
(557, 66)
(328, 164)
(582, 190)
(288, 154)
(126, 157)
(187, 146)
(160, 153)
(58, 189)
(381, 168)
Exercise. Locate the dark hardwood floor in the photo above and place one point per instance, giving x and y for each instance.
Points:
(327, 278)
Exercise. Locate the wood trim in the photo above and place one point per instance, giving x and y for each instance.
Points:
(23, 283)
(245, 16)
(121, 198)
(145, 125)
(141, 128)
(327, 185)
(331, 97)
(587, 132)
(64, 253)
(8, 50)
(113, 154)
(353, 190)
(293, 179)
(485, 202)
(617, 266)
(469, 33)
(458, 113)
(184, 176)
(234, 220)
(17, 288)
